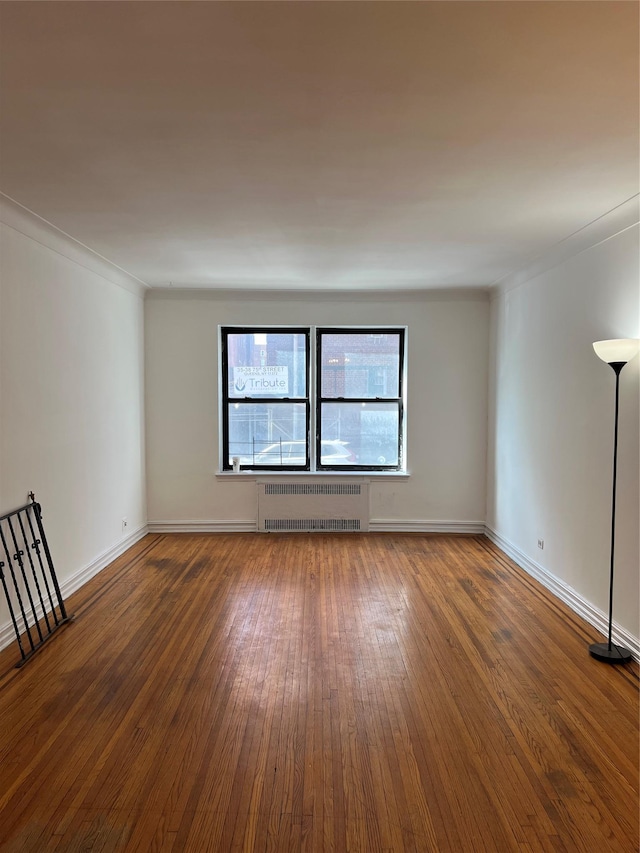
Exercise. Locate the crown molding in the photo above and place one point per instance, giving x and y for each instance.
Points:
(14, 215)
(463, 294)
(611, 224)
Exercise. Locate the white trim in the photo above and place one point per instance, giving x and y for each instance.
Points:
(7, 635)
(80, 578)
(593, 615)
(14, 215)
(210, 292)
(266, 476)
(588, 611)
(626, 215)
(380, 525)
(398, 525)
(204, 526)
(102, 561)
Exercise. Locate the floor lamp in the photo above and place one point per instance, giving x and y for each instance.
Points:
(616, 354)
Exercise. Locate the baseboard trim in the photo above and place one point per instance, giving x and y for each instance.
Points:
(203, 526)
(80, 578)
(580, 605)
(7, 635)
(396, 525)
(377, 525)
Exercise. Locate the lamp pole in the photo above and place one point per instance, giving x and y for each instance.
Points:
(616, 354)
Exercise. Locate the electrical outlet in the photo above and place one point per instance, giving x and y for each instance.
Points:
(125, 524)
(541, 544)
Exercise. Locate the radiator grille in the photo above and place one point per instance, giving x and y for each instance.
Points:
(287, 505)
(312, 488)
(341, 525)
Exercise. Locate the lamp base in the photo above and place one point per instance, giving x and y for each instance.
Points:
(610, 653)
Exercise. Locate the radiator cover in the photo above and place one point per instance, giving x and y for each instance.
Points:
(285, 506)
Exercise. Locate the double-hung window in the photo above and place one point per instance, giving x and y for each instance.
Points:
(265, 399)
(281, 412)
(359, 396)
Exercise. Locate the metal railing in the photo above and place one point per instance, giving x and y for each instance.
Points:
(29, 579)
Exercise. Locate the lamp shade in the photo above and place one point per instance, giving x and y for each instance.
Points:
(619, 350)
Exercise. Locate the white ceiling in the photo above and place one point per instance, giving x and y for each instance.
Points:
(319, 145)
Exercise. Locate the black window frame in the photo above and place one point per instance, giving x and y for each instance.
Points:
(225, 331)
(313, 399)
(400, 331)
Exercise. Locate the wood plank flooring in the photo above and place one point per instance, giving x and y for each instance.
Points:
(326, 693)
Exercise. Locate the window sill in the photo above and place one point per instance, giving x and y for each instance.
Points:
(304, 475)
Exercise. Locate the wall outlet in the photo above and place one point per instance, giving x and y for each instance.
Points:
(125, 525)
(541, 544)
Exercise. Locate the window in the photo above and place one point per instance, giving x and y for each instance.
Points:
(265, 400)
(280, 415)
(359, 397)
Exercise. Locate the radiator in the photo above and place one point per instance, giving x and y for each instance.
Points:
(310, 506)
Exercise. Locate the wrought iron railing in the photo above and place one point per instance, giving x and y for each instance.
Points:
(29, 579)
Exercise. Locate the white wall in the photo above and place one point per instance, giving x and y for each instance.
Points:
(551, 409)
(71, 393)
(447, 402)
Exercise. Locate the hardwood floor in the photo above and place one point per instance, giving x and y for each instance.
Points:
(378, 693)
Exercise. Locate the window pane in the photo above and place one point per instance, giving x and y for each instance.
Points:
(369, 431)
(267, 364)
(360, 365)
(271, 434)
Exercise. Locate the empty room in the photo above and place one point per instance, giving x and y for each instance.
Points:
(319, 426)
